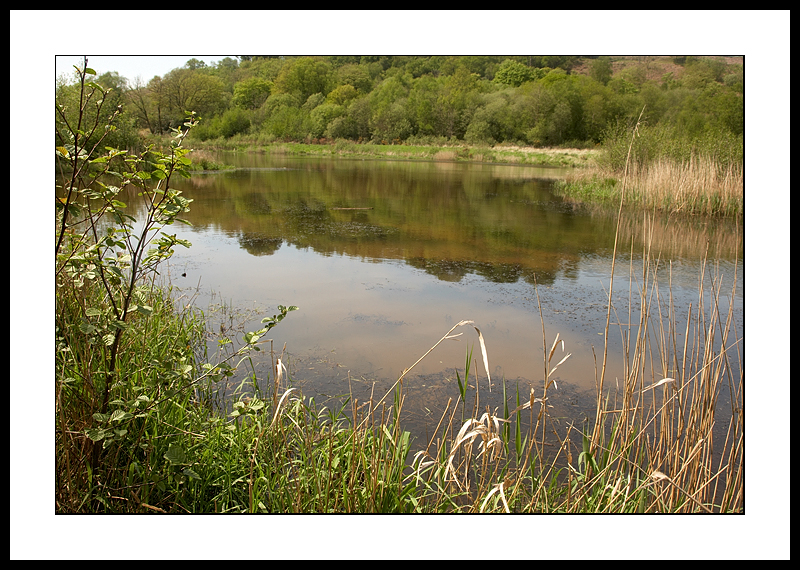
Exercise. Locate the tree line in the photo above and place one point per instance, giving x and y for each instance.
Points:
(477, 100)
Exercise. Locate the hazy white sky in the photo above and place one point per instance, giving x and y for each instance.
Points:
(131, 66)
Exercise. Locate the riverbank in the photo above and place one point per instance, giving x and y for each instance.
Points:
(500, 154)
(694, 187)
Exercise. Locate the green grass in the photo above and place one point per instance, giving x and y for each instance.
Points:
(662, 169)
(437, 152)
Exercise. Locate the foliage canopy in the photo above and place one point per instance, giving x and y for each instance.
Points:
(521, 100)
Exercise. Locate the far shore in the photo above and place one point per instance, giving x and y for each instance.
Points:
(499, 154)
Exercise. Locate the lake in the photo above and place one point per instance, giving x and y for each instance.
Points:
(384, 257)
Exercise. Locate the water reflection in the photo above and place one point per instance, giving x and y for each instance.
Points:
(384, 257)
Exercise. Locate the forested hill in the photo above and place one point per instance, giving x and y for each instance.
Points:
(478, 100)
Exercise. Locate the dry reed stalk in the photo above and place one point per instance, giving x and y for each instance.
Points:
(682, 424)
(449, 401)
(597, 427)
(691, 186)
(407, 370)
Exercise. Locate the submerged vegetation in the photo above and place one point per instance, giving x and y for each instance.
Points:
(144, 423)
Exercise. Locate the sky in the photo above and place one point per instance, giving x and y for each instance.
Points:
(131, 66)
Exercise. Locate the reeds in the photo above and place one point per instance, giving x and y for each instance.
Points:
(665, 170)
(697, 187)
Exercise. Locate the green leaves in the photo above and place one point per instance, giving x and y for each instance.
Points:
(144, 309)
(118, 415)
(176, 455)
(275, 319)
(96, 434)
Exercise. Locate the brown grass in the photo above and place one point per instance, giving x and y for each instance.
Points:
(445, 155)
(698, 186)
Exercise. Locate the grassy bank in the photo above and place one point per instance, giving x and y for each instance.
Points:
(662, 169)
(501, 154)
(696, 187)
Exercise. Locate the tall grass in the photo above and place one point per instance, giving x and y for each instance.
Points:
(666, 171)
(695, 186)
(151, 391)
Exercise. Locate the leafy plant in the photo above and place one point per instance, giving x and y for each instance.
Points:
(127, 372)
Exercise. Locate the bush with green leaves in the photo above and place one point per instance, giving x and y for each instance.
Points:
(323, 115)
(128, 376)
(251, 92)
(99, 246)
(513, 73)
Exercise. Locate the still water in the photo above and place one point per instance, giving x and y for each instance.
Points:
(384, 257)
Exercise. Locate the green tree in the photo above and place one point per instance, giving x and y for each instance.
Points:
(251, 92)
(342, 95)
(313, 101)
(187, 89)
(600, 70)
(143, 106)
(356, 75)
(389, 118)
(194, 64)
(288, 123)
(227, 66)
(730, 112)
(512, 73)
(116, 258)
(420, 66)
(424, 106)
(278, 100)
(698, 74)
(355, 125)
(392, 123)
(233, 121)
(501, 119)
(303, 77)
(323, 115)
(267, 69)
(540, 103)
(460, 97)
